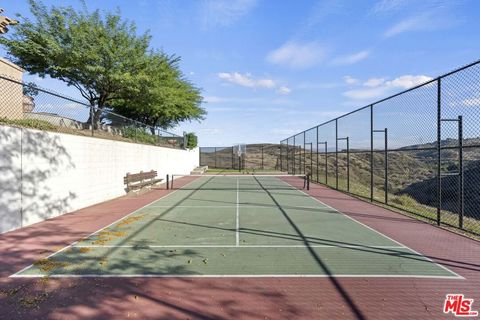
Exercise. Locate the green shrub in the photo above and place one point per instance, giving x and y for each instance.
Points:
(138, 135)
(192, 140)
(29, 123)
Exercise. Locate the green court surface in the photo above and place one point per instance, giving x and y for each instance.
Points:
(237, 226)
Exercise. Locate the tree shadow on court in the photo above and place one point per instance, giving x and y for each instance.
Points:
(29, 159)
(159, 298)
(153, 298)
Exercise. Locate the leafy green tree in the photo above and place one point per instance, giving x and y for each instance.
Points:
(163, 97)
(101, 56)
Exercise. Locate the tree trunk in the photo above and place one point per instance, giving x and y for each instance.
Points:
(97, 113)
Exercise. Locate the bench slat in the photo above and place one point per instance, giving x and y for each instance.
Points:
(141, 179)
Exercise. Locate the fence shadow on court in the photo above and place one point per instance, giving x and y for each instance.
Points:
(333, 281)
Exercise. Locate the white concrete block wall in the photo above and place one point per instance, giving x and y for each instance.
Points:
(47, 174)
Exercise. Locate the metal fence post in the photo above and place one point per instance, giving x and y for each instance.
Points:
(460, 173)
(439, 151)
(348, 164)
(262, 158)
(386, 166)
(304, 155)
(317, 151)
(336, 154)
(288, 157)
(281, 155)
(371, 152)
(294, 154)
(311, 158)
(92, 116)
(326, 162)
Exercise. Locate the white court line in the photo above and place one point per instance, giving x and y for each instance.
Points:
(95, 232)
(200, 206)
(419, 276)
(241, 246)
(378, 232)
(243, 206)
(237, 233)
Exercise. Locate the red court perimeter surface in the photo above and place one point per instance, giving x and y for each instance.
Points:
(229, 298)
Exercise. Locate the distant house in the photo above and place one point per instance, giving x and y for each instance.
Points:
(11, 96)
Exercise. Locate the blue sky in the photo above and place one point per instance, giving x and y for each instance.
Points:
(269, 68)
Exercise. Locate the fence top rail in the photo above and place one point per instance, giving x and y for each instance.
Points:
(64, 97)
(394, 95)
(51, 92)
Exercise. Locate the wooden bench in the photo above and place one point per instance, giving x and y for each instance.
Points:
(139, 180)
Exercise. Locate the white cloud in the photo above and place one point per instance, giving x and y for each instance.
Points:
(374, 82)
(351, 58)
(473, 102)
(246, 80)
(384, 6)
(210, 131)
(350, 80)
(219, 13)
(266, 83)
(234, 103)
(408, 81)
(427, 21)
(297, 55)
(284, 90)
(378, 87)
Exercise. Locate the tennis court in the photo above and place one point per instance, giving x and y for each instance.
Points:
(237, 226)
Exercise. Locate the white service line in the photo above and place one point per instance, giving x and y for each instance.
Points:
(270, 246)
(95, 232)
(234, 276)
(378, 232)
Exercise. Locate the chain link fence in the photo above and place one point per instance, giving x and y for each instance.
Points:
(27, 105)
(418, 151)
(260, 157)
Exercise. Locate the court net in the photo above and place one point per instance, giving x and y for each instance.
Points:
(241, 182)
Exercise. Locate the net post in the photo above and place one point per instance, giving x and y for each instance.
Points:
(168, 182)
